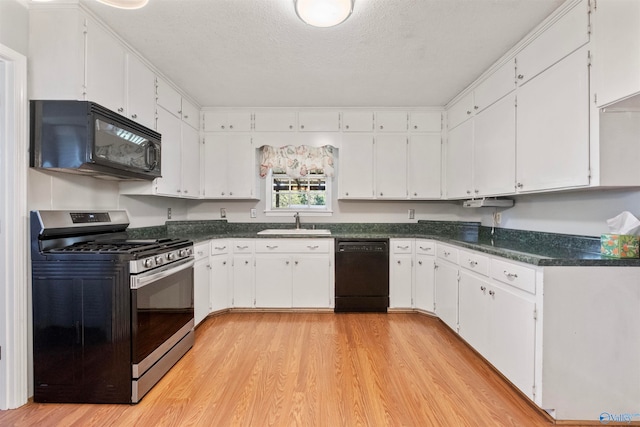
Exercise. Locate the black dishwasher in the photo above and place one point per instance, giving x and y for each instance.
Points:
(362, 275)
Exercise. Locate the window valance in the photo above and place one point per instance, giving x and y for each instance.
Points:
(296, 161)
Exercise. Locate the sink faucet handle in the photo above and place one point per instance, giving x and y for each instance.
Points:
(297, 217)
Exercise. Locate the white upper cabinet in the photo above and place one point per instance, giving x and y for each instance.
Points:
(392, 121)
(501, 82)
(235, 121)
(461, 111)
(568, 33)
(425, 166)
(319, 121)
(275, 121)
(391, 166)
(425, 121)
(229, 166)
(553, 127)
(494, 149)
(170, 184)
(141, 87)
(616, 50)
(355, 172)
(171, 100)
(459, 162)
(357, 121)
(105, 69)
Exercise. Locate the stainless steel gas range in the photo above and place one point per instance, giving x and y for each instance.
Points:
(110, 316)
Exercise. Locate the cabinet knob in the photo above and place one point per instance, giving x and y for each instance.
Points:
(468, 112)
(224, 262)
(287, 262)
(476, 191)
(134, 116)
(415, 126)
(180, 112)
(222, 194)
(290, 126)
(231, 193)
(475, 107)
(473, 263)
(222, 127)
(419, 262)
(120, 110)
(246, 262)
(415, 194)
(492, 293)
(519, 185)
(468, 191)
(520, 76)
(230, 126)
(186, 117)
(186, 191)
(301, 126)
(447, 253)
(346, 194)
(483, 288)
(381, 193)
(381, 127)
(296, 262)
(346, 127)
(399, 262)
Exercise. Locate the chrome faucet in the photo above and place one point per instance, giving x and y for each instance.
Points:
(297, 217)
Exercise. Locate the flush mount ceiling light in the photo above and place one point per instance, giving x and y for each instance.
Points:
(125, 4)
(323, 13)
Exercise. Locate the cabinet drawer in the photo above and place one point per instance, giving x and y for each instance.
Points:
(295, 246)
(243, 246)
(425, 247)
(447, 252)
(401, 246)
(474, 262)
(201, 250)
(515, 275)
(219, 247)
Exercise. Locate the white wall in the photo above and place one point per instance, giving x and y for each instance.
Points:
(14, 25)
(581, 212)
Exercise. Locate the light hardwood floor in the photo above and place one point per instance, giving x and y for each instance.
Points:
(313, 369)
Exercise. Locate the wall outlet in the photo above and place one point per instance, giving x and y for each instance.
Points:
(253, 213)
(168, 213)
(223, 213)
(412, 213)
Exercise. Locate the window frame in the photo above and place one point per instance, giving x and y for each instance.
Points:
(308, 212)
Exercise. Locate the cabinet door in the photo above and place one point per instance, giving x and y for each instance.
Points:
(357, 121)
(391, 121)
(566, 35)
(217, 121)
(356, 166)
(425, 121)
(311, 281)
(274, 281)
(616, 50)
(243, 281)
(141, 92)
(170, 128)
(190, 114)
(220, 295)
(201, 290)
(473, 312)
(424, 289)
(391, 166)
(105, 69)
(214, 166)
(190, 162)
(401, 281)
(512, 338)
(425, 166)
(553, 127)
(447, 294)
(169, 98)
(497, 85)
(461, 111)
(460, 161)
(319, 121)
(494, 149)
(275, 121)
(241, 167)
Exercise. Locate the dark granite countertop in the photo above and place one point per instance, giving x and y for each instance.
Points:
(531, 247)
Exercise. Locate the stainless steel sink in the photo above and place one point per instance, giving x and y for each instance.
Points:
(295, 231)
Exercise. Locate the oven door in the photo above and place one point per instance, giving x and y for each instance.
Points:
(162, 312)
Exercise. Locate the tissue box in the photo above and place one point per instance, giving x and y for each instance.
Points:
(619, 245)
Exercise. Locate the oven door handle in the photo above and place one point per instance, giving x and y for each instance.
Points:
(142, 280)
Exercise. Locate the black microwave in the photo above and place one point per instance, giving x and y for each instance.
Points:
(85, 138)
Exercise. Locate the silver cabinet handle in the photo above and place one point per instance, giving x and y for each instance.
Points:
(313, 247)
(425, 249)
(272, 247)
(219, 248)
(242, 247)
(510, 275)
(402, 247)
(520, 76)
(473, 263)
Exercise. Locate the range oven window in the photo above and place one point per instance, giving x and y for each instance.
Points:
(160, 309)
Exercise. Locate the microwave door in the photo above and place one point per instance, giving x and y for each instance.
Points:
(114, 144)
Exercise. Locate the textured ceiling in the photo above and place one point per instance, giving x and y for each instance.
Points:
(253, 53)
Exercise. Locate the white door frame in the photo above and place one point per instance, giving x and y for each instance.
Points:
(14, 237)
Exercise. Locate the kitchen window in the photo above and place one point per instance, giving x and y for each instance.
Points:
(298, 179)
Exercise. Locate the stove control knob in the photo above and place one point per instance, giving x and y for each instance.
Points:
(148, 262)
(158, 260)
(171, 256)
(182, 253)
(190, 251)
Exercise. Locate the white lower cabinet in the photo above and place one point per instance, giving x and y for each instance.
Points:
(201, 282)
(424, 276)
(446, 292)
(220, 274)
(243, 274)
(294, 273)
(401, 273)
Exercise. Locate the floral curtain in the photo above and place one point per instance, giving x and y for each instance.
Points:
(296, 162)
